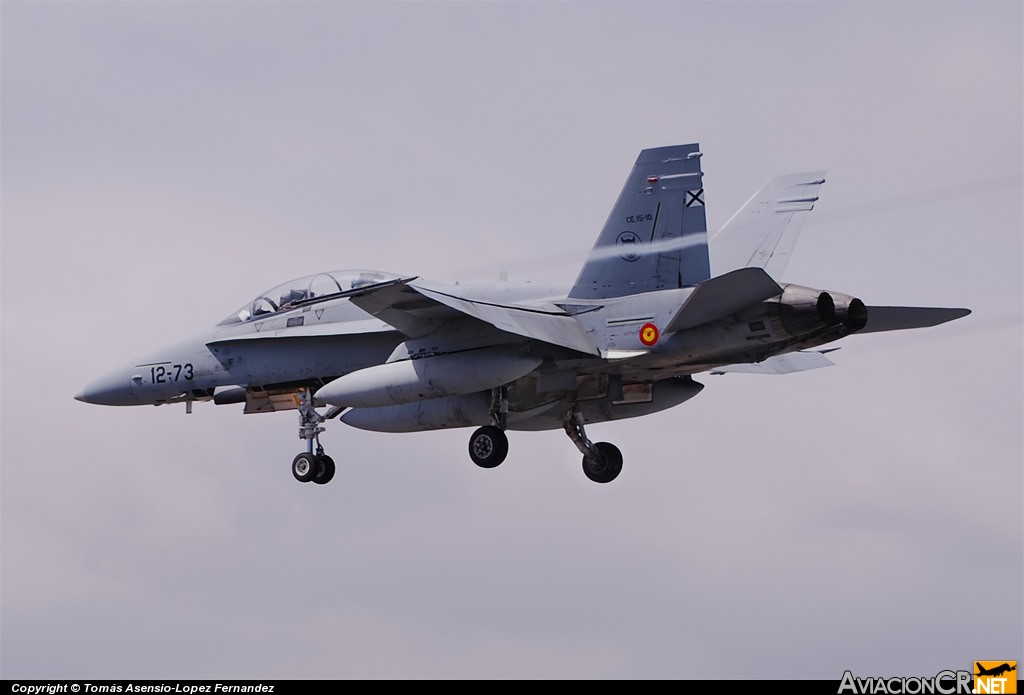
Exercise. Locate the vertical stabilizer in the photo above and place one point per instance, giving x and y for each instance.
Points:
(656, 236)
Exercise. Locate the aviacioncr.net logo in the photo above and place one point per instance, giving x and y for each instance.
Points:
(942, 683)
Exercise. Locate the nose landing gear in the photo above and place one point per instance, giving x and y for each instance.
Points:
(308, 466)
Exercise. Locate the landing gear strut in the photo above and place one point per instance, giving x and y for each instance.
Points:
(488, 446)
(602, 462)
(308, 466)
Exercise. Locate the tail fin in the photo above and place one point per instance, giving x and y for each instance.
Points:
(656, 236)
(763, 233)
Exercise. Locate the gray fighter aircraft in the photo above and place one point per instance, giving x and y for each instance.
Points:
(650, 308)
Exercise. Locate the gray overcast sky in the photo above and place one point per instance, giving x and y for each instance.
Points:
(162, 162)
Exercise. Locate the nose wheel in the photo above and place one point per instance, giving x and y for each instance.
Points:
(313, 468)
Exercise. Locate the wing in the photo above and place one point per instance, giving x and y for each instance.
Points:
(552, 325)
(416, 310)
(764, 231)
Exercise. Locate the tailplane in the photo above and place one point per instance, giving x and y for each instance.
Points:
(898, 318)
(656, 236)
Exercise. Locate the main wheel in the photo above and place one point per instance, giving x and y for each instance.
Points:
(488, 446)
(604, 464)
(304, 467)
(324, 469)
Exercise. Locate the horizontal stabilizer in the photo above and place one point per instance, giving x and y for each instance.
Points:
(780, 364)
(724, 295)
(895, 318)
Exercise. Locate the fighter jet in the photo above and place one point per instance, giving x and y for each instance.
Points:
(654, 304)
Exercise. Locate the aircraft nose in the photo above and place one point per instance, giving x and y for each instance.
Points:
(113, 388)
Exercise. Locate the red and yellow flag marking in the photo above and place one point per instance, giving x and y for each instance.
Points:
(649, 334)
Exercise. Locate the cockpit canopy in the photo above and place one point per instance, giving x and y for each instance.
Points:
(304, 291)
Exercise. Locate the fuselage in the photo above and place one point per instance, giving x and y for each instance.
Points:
(308, 333)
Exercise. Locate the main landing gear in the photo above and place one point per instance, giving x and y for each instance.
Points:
(602, 462)
(309, 466)
(488, 447)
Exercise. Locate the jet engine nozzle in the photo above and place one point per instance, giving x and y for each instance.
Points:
(854, 314)
(804, 309)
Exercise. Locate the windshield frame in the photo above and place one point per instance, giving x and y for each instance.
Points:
(299, 293)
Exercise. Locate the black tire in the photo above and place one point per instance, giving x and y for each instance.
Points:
(605, 464)
(488, 446)
(304, 467)
(324, 470)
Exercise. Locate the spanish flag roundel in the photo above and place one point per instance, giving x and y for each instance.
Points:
(649, 334)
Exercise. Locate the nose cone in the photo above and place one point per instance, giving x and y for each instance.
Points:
(113, 388)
